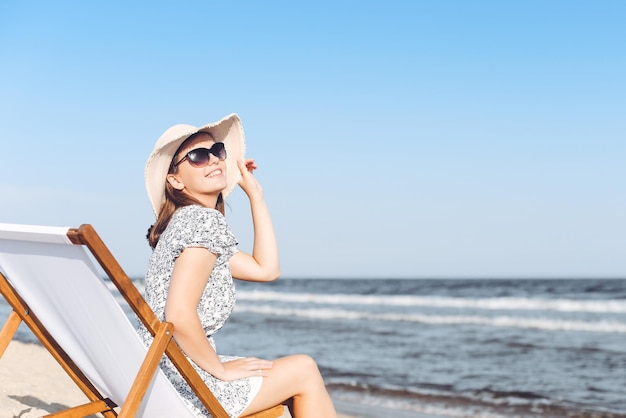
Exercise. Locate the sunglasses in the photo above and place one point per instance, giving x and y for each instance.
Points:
(200, 157)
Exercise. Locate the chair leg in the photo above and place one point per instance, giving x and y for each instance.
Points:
(8, 330)
(104, 406)
(147, 370)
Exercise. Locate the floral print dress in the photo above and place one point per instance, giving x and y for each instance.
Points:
(197, 226)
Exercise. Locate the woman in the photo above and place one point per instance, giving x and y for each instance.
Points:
(189, 277)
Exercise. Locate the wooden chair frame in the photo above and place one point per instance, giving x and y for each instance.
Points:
(163, 342)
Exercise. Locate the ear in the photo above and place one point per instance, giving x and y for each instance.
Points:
(175, 182)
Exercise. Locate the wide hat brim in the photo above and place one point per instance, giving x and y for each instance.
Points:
(229, 130)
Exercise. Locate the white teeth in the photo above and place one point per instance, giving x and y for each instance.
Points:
(215, 173)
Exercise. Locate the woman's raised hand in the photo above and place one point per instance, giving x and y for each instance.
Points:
(248, 183)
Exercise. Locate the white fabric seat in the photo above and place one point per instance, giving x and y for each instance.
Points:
(60, 283)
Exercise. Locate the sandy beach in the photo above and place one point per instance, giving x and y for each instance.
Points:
(33, 384)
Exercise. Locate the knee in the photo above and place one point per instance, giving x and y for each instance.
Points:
(307, 361)
(307, 365)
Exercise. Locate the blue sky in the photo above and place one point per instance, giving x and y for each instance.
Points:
(394, 139)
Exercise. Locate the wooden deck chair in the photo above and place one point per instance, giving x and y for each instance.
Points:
(52, 284)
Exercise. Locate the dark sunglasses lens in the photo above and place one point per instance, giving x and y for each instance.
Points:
(219, 150)
(200, 156)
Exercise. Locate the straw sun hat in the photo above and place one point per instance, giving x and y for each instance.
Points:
(228, 130)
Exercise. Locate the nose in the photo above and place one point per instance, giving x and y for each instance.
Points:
(213, 159)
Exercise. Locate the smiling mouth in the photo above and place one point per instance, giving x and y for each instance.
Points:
(215, 173)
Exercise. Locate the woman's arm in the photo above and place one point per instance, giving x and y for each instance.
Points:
(192, 270)
(263, 265)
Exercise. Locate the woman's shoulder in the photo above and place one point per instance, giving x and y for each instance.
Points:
(196, 225)
(196, 212)
(194, 218)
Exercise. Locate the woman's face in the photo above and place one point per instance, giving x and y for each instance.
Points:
(203, 183)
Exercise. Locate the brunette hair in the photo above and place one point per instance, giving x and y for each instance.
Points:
(175, 199)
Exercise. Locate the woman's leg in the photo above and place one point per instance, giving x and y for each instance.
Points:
(295, 377)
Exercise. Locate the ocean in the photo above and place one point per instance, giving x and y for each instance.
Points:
(453, 348)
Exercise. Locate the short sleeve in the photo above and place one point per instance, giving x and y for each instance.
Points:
(205, 227)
